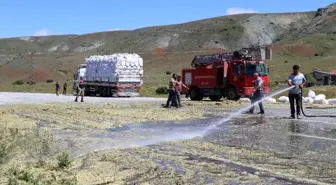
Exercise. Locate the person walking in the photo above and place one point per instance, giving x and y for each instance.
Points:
(297, 80)
(65, 85)
(57, 88)
(258, 94)
(171, 93)
(81, 90)
(178, 88)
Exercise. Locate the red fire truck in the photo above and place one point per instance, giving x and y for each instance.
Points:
(228, 75)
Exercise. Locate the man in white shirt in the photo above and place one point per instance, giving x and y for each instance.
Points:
(258, 93)
(298, 80)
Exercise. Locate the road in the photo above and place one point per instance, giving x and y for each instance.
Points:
(269, 149)
(7, 98)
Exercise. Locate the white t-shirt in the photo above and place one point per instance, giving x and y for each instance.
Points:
(296, 80)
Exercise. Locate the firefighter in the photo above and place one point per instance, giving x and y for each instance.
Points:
(65, 85)
(178, 87)
(298, 80)
(172, 93)
(57, 88)
(81, 90)
(258, 93)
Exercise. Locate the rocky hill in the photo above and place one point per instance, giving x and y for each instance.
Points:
(226, 32)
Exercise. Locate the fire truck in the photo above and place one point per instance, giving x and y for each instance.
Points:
(226, 75)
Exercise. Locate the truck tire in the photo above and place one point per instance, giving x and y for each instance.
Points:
(109, 92)
(195, 94)
(215, 97)
(231, 94)
(105, 92)
(100, 91)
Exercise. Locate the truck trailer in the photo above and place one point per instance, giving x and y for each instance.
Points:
(119, 75)
(226, 75)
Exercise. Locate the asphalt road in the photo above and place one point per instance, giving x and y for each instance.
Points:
(308, 144)
(282, 150)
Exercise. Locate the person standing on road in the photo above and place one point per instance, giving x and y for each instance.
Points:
(258, 93)
(57, 88)
(178, 88)
(81, 90)
(65, 85)
(172, 92)
(298, 80)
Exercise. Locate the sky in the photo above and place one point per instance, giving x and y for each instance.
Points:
(39, 18)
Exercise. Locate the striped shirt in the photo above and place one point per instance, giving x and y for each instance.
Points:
(172, 84)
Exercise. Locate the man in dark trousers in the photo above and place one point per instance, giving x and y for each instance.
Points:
(172, 93)
(65, 85)
(57, 88)
(298, 80)
(258, 93)
(81, 90)
(178, 88)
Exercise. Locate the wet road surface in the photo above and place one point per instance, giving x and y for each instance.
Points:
(272, 147)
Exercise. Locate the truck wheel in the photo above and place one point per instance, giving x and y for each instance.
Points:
(231, 94)
(100, 91)
(104, 92)
(215, 97)
(195, 94)
(109, 92)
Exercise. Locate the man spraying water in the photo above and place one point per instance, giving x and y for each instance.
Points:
(298, 80)
(258, 94)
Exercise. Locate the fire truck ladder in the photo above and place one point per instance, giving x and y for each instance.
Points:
(201, 61)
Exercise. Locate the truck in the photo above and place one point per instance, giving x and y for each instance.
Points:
(120, 75)
(226, 75)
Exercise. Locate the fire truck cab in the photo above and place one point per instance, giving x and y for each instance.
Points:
(228, 75)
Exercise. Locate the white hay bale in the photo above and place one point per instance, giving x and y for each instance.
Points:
(245, 100)
(270, 100)
(309, 100)
(311, 94)
(284, 99)
(321, 101)
(320, 97)
(332, 101)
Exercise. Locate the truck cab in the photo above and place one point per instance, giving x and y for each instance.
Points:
(228, 75)
(241, 79)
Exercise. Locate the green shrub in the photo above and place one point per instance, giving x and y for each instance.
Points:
(64, 161)
(50, 81)
(31, 83)
(168, 73)
(18, 82)
(310, 78)
(8, 140)
(161, 90)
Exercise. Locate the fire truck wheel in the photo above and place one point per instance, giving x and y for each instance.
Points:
(195, 94)
(215, 97)
(231, 94)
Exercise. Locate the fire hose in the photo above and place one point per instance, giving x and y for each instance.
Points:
(328, 116)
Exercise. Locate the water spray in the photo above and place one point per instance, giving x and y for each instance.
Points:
(235, 114)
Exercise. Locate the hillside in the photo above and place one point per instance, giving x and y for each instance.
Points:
(297, 38)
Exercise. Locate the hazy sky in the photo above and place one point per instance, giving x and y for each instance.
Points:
(37, 17)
